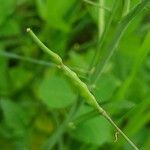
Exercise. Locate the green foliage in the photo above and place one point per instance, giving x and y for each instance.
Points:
(6, 5)
(14, 116)
(106, 86)
(49, 87)
(86, 130)
(91, 131)
(39, 109)
(54, 12)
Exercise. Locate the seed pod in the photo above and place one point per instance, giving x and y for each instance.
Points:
(80, 86)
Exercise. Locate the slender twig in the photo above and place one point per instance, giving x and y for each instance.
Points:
(81, 86)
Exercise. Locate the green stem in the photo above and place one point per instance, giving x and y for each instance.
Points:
(97, 5)
(56, 58)
(101, 20)
(126, 7)
(81, 86)
(120, 131)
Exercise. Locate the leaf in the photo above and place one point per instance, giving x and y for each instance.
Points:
(54, 12)
(44, 124)
(11, 28)
(140, 57)
(111, 47)
(96, 131)
(14, 116)
(78, 61)
(105, 87)
(6, 9)
(140, 117)
(19, 77)
(55, 92)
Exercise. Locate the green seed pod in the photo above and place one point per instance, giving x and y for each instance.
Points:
(80, 86)
(56, 58)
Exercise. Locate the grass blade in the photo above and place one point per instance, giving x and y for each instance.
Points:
(116, 38)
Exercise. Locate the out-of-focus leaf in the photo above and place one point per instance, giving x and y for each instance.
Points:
(141, 55)
(10, 28)
(78, 61)
(14, 116)
(121, 107)
(55, 92)
(19, 76)
(140, 116)
(146, 144)
(105, 87)
(96, 131)
(81, 62)
(44, 124)
(54, 12)
(6, 9)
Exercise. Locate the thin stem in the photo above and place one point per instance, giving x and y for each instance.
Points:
(38, 62)
(97, 5)
(101, 19)
(56, 58)
(118, 129)
(126, 7)
(81, 86)
(24, 58)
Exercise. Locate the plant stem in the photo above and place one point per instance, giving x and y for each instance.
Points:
(101, 19)
(97, 5)
(118, 129)
(81, 86)
(126, 7)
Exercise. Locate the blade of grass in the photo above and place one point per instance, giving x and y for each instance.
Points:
(101, 20)
(142, 113)
(116, 38)
(141, 55)
(102, 39)
(126, 7)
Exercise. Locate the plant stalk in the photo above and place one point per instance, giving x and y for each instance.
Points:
(97, 5)
(126, 7)
(81, 86)
(101, 19)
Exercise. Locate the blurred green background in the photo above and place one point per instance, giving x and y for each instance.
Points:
(39, 110)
